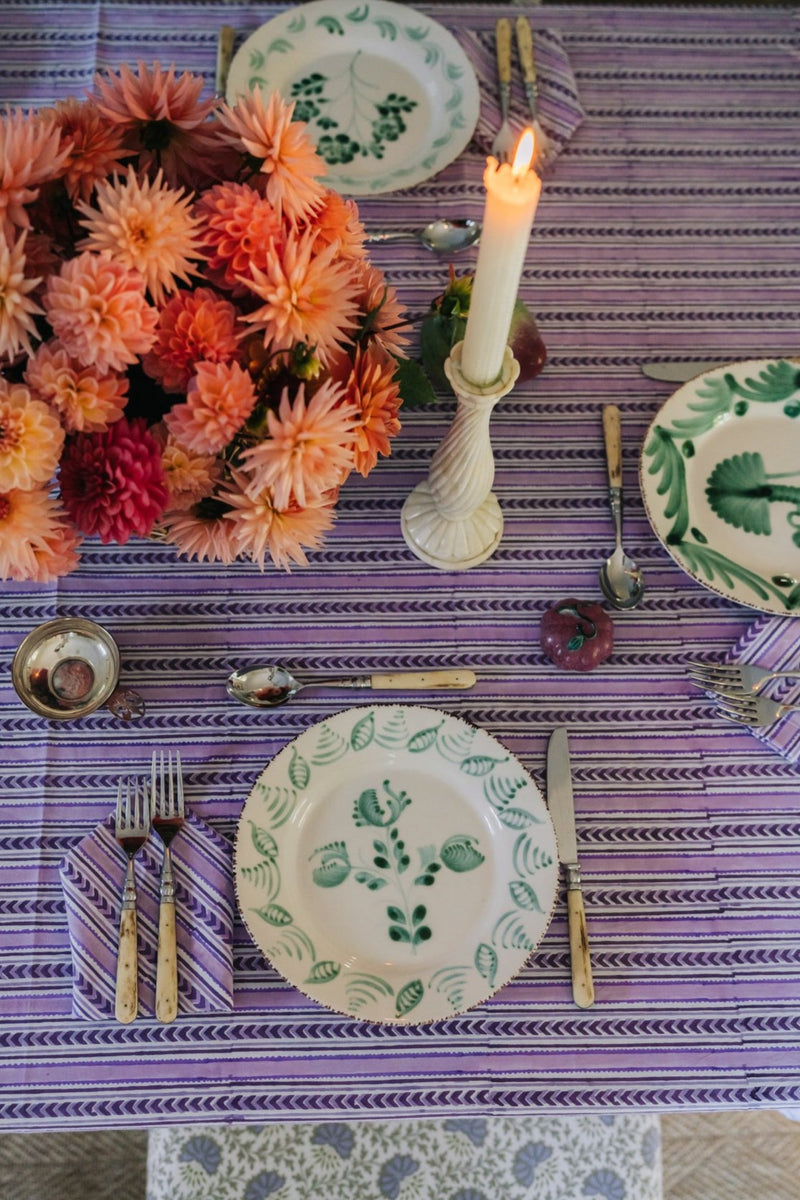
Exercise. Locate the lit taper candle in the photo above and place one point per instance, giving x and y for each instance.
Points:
(512, 195)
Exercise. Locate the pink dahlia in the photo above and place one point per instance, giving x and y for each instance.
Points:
(387, 323)
(288, 159)
(98, 312)
(220, 399)
(192, 326)
(237, 228)
(112, 483)
(31, 438)
(259, 527)
(190, 477)
(310, 448)
(202, 533)
(86, 401)
(55, 557)
(163, 119)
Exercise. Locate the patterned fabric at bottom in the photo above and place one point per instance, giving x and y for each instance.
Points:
(608, 1157)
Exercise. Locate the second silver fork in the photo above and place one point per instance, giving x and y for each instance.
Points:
(167, 815)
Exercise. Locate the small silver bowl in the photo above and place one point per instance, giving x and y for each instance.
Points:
(66, 668)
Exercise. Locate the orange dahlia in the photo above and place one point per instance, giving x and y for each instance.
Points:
(94, 148)
(194, 325)
(284, 150)
(377, 300)
(261, 527)
(31, 438)
(30, 152)
(17, 309)
(30, 525)
(308, 297)
(220, 399)
(237, 227)
(375, 393)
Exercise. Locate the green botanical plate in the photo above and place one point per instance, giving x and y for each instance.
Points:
(389, 95)
(720, 477)
(396, 864)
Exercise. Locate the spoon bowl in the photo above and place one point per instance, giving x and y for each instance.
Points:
(620, 578)
(269, 686)
(442, 236)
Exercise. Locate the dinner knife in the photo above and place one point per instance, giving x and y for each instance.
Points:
(562, 811)
(682, 372)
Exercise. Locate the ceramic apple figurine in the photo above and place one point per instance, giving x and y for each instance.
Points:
(577, 635)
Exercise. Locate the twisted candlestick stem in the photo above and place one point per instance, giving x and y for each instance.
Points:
(452, 520)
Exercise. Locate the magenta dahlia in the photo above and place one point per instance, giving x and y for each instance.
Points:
(113, 483)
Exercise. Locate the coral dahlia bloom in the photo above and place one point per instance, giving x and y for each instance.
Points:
(98, 312)
(308, 297)
(190, 477)
(310, 448)
(145, 226)
(85, 401)
(30, 520)
(31, 438)
(237, 227)
(261, 527)
(202, 533)
(375, 393)
(193, 326)
(30, 152)
(220, 399)
(337, 221)
(17, 309)
(163, 119)
(94, 147)
(378, 301)
(56, 556)
(112, 483)
(287, 155)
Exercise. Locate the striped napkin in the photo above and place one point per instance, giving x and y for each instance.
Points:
(775, 642)
(559, 109)
(92, 874)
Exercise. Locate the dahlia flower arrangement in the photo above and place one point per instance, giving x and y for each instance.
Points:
(193, 343)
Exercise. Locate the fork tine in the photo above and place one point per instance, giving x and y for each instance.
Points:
(179, 784)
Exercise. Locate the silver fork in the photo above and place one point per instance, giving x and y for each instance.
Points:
(166, 797)
(131, 830)
(734, 677)
(505, 138)
(756, 711)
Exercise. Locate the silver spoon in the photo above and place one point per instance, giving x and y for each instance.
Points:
(266, 687)
(440, 237)
(620, 578)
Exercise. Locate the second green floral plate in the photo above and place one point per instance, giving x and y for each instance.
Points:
(389, 96)
(720, 477)
(396, 864)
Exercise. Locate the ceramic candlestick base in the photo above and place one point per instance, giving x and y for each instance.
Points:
(453, 520)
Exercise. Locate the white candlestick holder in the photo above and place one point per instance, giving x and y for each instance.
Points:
(452, 520)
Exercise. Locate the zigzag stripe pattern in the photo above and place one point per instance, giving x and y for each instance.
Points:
(665, 231)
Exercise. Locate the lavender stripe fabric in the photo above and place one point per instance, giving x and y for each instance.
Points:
(667, 229)
(775, 642)
(92, 875)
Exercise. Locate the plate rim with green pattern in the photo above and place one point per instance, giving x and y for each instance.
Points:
(376, 131)
(722, 521)
(396, 863)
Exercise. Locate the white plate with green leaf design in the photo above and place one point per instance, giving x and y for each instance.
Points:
(389, 96)
(720, 477)
(396, 864)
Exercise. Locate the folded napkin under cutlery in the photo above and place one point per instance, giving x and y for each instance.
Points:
(558, 105)
(775, 642)
(92, 873)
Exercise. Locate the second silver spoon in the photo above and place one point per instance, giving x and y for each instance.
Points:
(267, 687)
(440, 237)
(620, 578)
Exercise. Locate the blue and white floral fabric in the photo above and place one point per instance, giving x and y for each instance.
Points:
(610, 1157)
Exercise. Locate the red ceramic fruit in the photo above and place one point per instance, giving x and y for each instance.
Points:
(577, 634)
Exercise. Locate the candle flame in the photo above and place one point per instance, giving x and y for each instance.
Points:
(523, 156)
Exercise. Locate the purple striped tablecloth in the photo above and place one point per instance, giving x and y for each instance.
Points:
(670, 225)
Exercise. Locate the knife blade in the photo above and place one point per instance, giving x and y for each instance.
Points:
(562, 811)
(682, 372)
